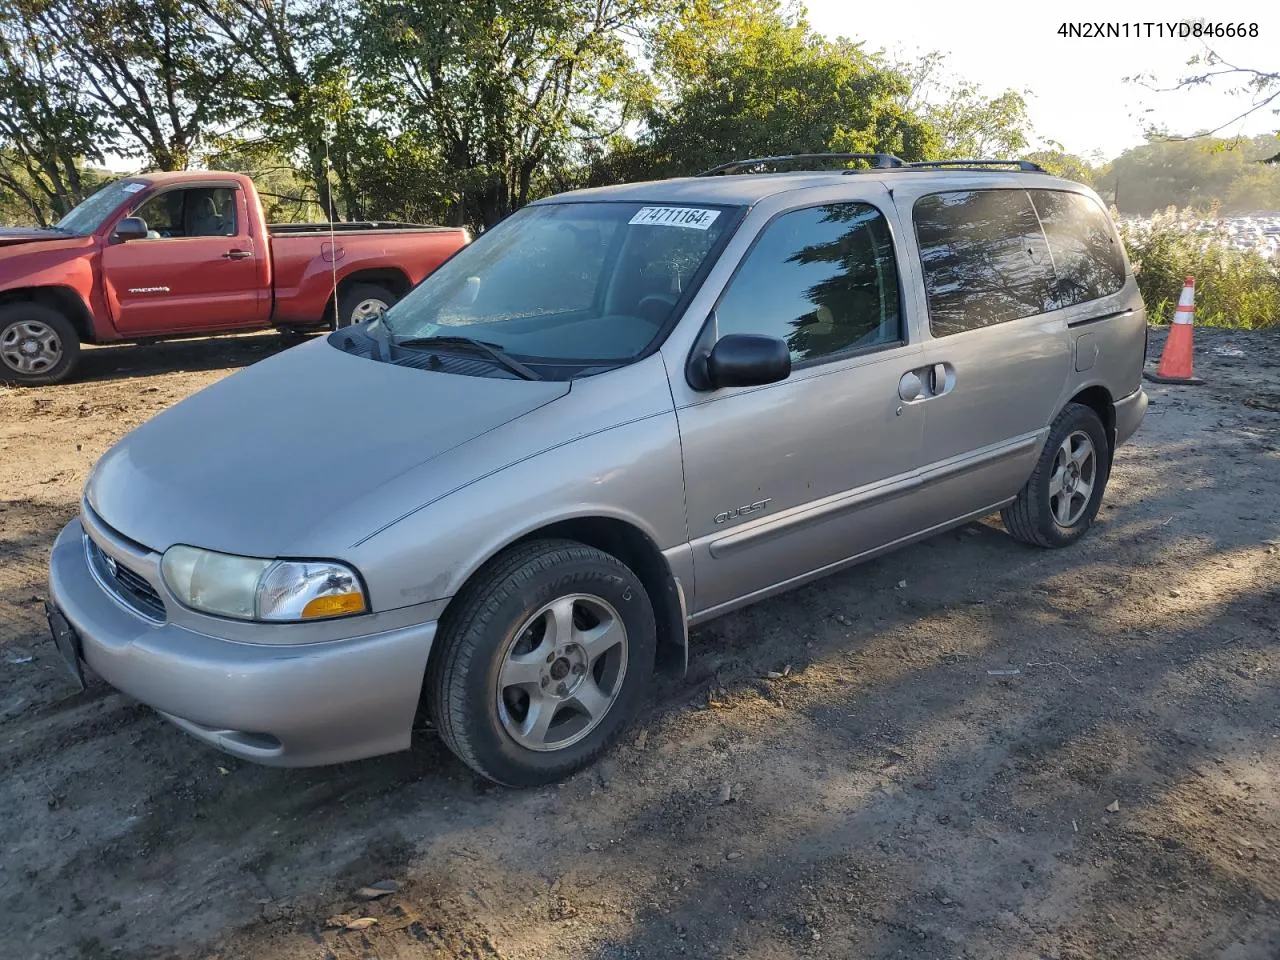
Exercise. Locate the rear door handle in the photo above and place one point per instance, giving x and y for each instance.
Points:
(237, 255)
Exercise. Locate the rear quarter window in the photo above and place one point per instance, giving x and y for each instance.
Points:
(984, 257)
(1087, 260)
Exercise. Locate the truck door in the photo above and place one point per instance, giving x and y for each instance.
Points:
(199, 268)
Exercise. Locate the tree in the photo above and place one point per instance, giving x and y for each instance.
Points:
(294, 95)
(1058, 162)
(1193, 173)
(47, 125)
(1209, 68)
(497, 93)
(968, 123)
(158, 76)
(747, 78)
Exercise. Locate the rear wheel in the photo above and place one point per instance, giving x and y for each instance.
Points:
(38, 344)
(363, 301)
(1058, 504)
(543, 662)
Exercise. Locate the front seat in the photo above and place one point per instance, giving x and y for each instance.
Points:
(206, 222)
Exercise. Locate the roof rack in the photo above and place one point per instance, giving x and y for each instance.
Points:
(1026, 165)
(878, 161)
(882, 161)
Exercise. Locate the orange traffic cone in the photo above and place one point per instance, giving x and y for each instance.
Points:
(1175, 361)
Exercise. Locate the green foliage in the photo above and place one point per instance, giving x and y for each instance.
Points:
(1062, 164)
(498, 93)
(744, 78)
(966, 123)
(158, 77)
(48, 126)
(1234, 288)
(1195, 173)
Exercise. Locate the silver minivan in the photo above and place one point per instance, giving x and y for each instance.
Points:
(615, 415)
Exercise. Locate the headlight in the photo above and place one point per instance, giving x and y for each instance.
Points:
(251, 589)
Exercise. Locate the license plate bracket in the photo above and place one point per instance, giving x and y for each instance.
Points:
(67, 642)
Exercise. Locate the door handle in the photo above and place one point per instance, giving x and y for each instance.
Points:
(237, 255)
(925, 383)
(938, 379)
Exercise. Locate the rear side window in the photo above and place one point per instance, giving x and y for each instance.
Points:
(985, 259)
(824, 279)
(1086, 253)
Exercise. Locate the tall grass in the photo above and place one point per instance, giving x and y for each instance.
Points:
(1234, 288)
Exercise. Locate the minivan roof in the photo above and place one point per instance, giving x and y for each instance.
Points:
(748, 189)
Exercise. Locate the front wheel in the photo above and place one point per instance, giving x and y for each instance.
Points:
(38, 344)
(1057, 505)
(542, 663)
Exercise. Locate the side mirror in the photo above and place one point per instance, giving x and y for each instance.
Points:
(131, 228)
(747, 360)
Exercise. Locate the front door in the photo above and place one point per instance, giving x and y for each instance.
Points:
(199, 268)
(792, 478)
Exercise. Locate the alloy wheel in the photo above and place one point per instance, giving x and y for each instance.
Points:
(562, 672)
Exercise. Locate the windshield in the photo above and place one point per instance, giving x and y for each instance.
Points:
(567, 282)
(88, 215)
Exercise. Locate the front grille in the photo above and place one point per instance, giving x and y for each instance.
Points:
(126, 585)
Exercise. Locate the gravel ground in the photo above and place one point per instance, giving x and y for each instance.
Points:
(970, 748)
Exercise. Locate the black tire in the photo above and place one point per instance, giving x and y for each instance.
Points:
(1032, 517)
(59, 348)
(486, 622)
(351, 300)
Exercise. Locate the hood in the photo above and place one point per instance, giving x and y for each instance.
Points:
(255, 463)
(12, 235)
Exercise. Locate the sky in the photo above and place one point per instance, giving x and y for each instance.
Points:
(1076, 92)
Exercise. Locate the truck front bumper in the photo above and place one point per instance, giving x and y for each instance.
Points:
(281, 704)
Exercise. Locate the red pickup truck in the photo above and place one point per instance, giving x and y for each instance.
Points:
(181, 254)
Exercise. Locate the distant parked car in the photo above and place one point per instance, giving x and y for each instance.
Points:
(618, 413)
(179, 254)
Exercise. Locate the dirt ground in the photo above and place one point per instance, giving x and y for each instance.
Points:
(970, 748)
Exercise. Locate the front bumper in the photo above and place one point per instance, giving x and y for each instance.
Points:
(283, 704)
(1129, 413)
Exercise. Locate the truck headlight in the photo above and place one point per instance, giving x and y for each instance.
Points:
(249, 588)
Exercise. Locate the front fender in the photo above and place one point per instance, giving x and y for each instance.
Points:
(631, 472)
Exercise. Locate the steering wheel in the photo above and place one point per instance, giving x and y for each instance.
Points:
(667, 300)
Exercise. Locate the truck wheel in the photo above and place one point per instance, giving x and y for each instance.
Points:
(543, 662)
(37, 344)
(1059, 502)
(363, 301)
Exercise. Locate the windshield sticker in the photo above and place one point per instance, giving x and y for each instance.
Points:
(694, 218)
(134, 187)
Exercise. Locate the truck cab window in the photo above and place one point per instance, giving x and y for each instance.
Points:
(195, 212)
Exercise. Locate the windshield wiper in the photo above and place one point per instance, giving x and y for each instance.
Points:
(490, 350)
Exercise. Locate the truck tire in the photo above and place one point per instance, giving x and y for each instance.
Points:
(38, 345)
(361, 302)
(1057, 505)
(542, 663)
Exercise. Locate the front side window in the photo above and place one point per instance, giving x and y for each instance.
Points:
(193, 212)
(985, 259)
(1086, 252)
(824, 279)
(567, 283)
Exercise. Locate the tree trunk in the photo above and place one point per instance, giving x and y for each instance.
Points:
(320, 178)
